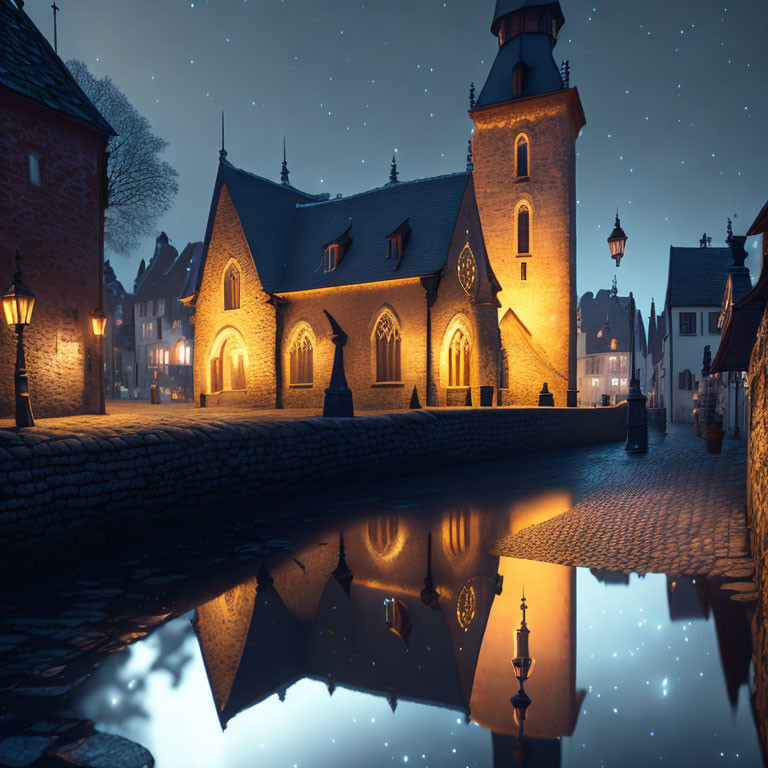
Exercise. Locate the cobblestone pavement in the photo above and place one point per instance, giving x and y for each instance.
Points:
(675, 510)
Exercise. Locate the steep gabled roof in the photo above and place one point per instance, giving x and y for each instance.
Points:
(29, 68)
(697, 276)
(431, 205)
(287, 230)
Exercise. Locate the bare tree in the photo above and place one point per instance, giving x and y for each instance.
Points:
(140, 186)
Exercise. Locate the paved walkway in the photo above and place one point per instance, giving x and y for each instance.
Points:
(675, 510)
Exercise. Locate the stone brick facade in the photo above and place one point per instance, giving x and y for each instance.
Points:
(268, 326)
(757, 509)
(58, 229)
(70, 490)
(545, 302)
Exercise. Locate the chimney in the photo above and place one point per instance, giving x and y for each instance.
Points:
(739, 253)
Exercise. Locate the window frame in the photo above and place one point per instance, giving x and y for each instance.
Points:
(524, 207)
(523, 138)
(460, 367)
(299, 362)
(34, 168)
(387, 353)
(331, 257)
(232, 286)
(689, 316)
(716, 317)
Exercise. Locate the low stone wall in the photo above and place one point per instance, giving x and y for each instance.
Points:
(757, 513)
(66, 490)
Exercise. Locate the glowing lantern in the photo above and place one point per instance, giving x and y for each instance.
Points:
(18, 301)
(98, 321)
(618, 242)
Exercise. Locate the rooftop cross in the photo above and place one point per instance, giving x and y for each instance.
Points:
(56, 9)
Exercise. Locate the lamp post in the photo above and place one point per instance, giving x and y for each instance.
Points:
(637, 415)
(617, 242)
(523, 664)
(18, 303)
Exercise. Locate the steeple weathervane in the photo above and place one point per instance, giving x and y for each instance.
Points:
(284, 173)
(393, 171)
(472, 101)
(222, 151)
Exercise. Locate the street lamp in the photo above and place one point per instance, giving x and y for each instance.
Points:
(98, 321)
(523, 664)
(18, 303)
(618, 242)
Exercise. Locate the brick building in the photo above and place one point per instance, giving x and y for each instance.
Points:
(52, 200)
(162, 322)
(453, 285)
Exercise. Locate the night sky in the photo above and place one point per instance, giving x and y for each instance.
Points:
(674, 94)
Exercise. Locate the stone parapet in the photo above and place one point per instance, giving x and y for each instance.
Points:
(76, 489)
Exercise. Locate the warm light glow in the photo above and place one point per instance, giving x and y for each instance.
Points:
(98, 321)
(17, 304)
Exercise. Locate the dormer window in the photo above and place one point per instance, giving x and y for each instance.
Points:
(396, 242)
(334, 251)
(395, 247)
(330, 258)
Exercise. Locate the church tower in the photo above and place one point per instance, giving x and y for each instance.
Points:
(527, 120)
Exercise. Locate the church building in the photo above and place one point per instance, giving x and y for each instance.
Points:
(461, 286)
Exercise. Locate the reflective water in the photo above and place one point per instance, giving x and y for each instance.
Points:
(388, 638)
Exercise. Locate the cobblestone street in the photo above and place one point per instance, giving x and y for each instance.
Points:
(675, 510)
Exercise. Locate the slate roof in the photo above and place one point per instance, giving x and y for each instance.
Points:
(29, 68)
(698, 276)
(609, 315)
(543, 75)
(168, 272)
(287, 229)
(505, 7)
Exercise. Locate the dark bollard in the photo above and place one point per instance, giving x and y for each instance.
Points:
(415, 404)
(546, 398)
(468, 401)
(605, 400)
(486, 397)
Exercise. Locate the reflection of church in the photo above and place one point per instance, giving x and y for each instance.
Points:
(462, 286)
(407, 612)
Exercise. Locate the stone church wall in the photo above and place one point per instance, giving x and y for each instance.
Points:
(757, 511)
(65, 494)
(56, 229)
(254, 322)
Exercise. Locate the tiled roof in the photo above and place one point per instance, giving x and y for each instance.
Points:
(609, 317)
(697, 276)
(543, 76)
(30, 69)
(504, 7)
(287, 231)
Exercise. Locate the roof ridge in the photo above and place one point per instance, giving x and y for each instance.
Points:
(278, 185)
(399, 185)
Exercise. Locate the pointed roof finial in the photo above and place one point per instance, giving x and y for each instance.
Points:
(470, 163)
(393, 171)
(523, 608)
(222, 151)
(730, 231)
(472, 101)
(615, 288)
(284, 173)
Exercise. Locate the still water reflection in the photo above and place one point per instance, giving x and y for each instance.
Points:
(388, 640)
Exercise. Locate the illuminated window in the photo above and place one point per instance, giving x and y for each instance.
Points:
(614, 345)
(459, 354)
(523, 230)
(301, 358)
(524, 270)
(623, 382)
(522, 157)
(330, 258)
(34, 169)
(615, 382)
(183, 354)
(228, 367)
(613, 365)
(387, 339)
(232, 288)
(595, 382)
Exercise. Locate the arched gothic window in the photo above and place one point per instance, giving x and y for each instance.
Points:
(232, 287)
(301, 358)
(458, 360)
(522, 157)
(228, 367)
(523, 230)
(387, 339)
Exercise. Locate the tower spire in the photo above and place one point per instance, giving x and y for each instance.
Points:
(222, 151)
(284, 173)
(393, 171)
